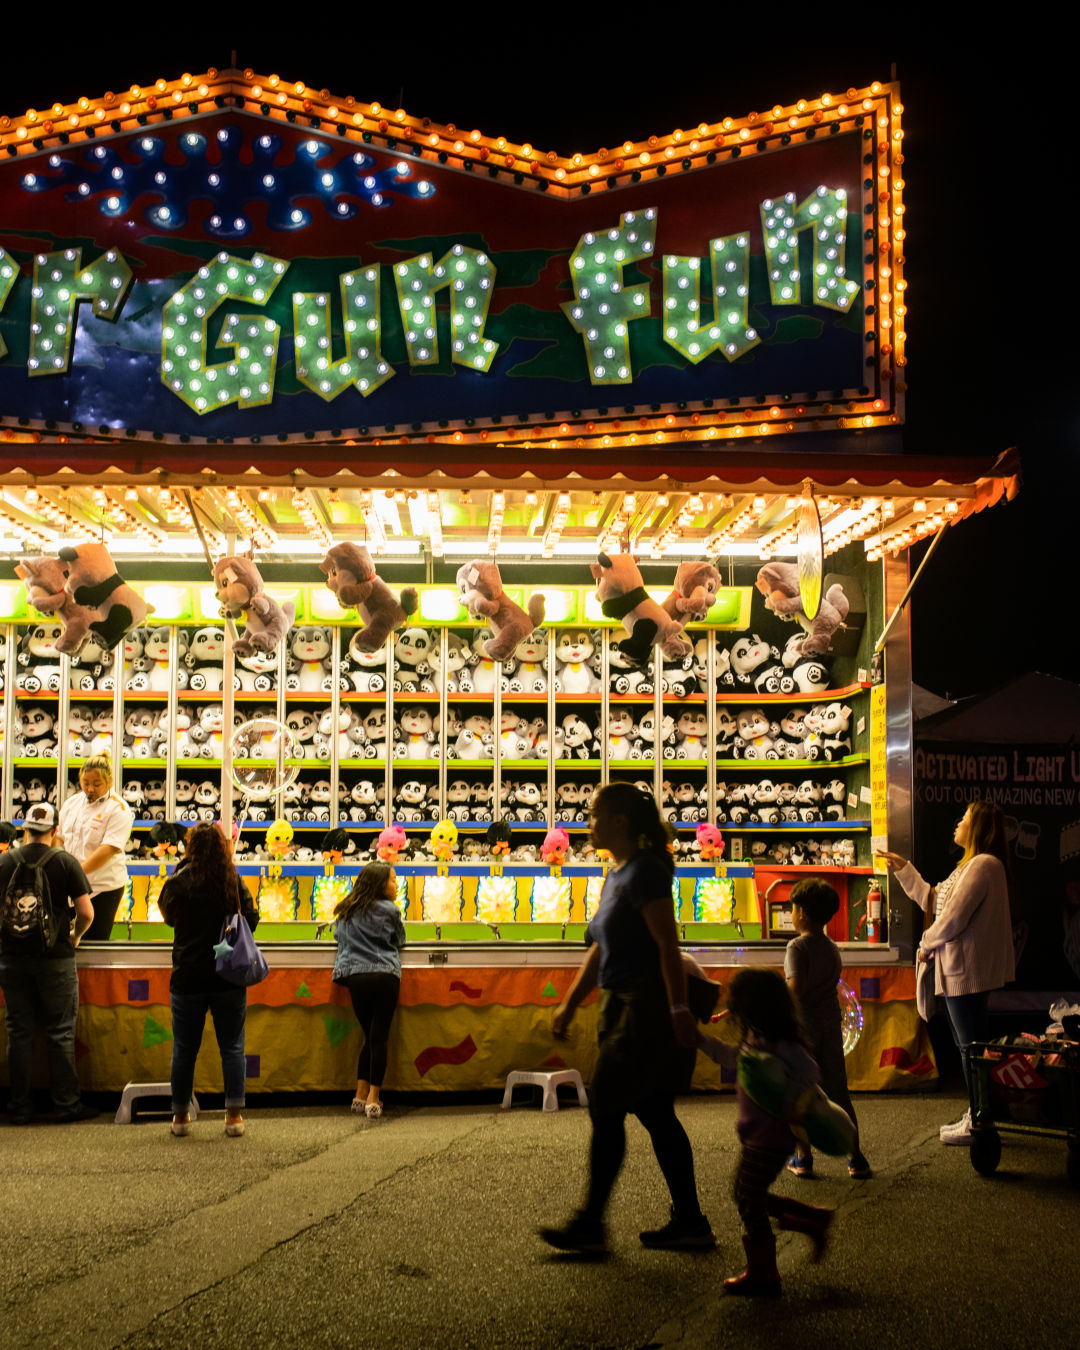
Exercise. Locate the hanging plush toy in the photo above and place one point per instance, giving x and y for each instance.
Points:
(480, 584)
(93, 582)
(240, 591)
(778, 582)
(622, 595)
(45, 580)
(696, 586)
(351, 575)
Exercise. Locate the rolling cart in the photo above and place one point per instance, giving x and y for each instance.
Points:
(1024, 1089)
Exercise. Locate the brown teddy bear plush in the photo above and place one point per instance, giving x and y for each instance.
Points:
(778, 582)
(45, 580)
(239, 591)
(622, 595)
(696, 585)
(480, 584)
(351, 575)
(94, 583)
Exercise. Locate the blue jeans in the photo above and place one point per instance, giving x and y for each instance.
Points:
(228, 1008)
(43, 992)
(967, 1022)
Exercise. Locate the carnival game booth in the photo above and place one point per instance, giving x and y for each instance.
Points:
(210, 292)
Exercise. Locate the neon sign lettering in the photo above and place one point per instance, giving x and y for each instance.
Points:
(605, 305)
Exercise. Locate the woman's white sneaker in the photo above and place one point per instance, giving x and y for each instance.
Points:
(959, 1132)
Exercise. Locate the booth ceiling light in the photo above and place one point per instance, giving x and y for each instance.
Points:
(434, 518)
(376, 539)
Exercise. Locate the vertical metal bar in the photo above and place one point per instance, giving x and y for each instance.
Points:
(605, 696)
(551, 711)
(710, 740)
(6, 776)
(898, 750)
(334, 812)
(496, 726)
(117, 720)
(228, 705)
(443, 742)
(658, 716)
(63, 717)
(172, 723)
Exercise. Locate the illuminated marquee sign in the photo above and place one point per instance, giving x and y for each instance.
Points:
(246, 276)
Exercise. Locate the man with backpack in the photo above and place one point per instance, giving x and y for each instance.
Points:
(44, 910)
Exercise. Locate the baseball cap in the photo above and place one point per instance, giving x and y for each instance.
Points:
(40, 818)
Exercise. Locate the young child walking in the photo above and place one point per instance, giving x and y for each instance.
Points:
(768, 1021)
(812, 964)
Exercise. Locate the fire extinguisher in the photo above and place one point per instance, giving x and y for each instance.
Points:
(873, 918)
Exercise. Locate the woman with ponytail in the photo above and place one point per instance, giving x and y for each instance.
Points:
(970, 936)
(634, 959)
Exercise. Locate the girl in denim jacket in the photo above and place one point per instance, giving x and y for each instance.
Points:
(369, 935)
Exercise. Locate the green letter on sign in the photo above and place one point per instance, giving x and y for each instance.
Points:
(362, 363)
(60, 282)
(8, 273)
(469, 274)
(602, 308)
(248, 379)
(825, 212)
(684, 327)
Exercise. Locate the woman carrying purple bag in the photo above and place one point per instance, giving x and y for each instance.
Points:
(196, 899)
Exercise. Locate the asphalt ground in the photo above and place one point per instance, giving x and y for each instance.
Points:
(321, 1229)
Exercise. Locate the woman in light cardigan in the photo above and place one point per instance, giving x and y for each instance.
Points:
(970, 936)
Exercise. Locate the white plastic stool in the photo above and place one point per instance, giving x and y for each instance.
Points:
(132, 1091)
(549, 1080)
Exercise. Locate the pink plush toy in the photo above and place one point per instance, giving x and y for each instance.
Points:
(480, 584)
(778, 582)
(696, 585)
(351, 575)
(390, 843)
(45, 580)
(555, 847)
(622, 595)
(711, 841)
(240, 590)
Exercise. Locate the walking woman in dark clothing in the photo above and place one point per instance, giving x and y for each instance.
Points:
(370, 934)
(644, 1018)
(205, 888)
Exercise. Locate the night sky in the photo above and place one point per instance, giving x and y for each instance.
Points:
(991, 352)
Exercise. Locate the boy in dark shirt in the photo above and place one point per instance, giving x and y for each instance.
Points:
(812, 965)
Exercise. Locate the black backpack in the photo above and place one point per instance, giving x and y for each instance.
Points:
(28, 924)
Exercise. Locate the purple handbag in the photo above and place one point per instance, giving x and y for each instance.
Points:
(240, 962)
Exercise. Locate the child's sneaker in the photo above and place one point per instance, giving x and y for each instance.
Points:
(801, 1164)
(581, 1234)
(681, 1235)
(858, 1168)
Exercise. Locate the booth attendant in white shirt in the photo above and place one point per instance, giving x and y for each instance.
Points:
(94, 828)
